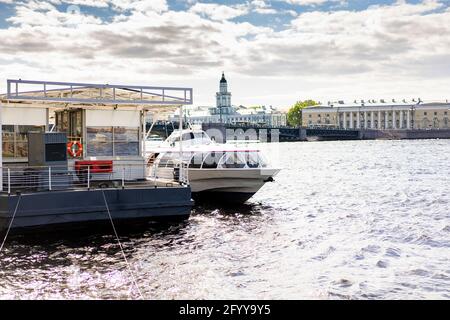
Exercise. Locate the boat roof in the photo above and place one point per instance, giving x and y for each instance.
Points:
(88, 95)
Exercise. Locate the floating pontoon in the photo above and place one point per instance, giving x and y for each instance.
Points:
(70, 150)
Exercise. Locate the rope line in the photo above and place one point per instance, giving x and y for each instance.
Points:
(10, 223)
(121, 247)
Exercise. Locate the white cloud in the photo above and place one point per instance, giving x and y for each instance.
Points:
(310, 2)
(90, 3)
(219, 12)
(140, 5)
(386, 50)
(40, 13)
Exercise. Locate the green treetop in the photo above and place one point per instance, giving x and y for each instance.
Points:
(294, 115)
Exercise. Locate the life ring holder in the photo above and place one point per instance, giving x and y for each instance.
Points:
(75, 149)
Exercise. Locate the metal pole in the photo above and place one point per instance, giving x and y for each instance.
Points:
(123, 177)
(181, 140)
(89, 177)
(1, 143)
(9, 181)
(155, 167)
(50, 178)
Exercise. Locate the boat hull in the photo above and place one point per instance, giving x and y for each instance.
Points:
(44, 209)
(222, 197)
(228, 185)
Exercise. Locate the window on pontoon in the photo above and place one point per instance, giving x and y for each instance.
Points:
(126, 141)
(15, 140)
(112, 141)
(100, 141)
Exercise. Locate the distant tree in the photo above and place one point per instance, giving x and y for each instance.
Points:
(294, 115)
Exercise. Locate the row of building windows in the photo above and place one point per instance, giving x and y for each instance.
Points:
(362, 114)
(279, 120)
(425, 123)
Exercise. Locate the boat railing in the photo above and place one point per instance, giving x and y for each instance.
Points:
(56, 178)
(172, 169)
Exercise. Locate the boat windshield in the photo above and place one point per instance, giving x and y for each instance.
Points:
(189, 138)
(169, 159)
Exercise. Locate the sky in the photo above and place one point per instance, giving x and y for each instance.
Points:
(273, 52)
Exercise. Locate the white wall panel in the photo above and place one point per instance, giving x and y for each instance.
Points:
(23, 116)
(116, 118)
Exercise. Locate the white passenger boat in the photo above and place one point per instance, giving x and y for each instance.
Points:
(220, 172)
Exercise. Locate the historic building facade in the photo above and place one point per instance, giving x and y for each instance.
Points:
(225, 112)
(379, 116)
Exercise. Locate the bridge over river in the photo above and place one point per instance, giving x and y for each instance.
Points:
(283, 134)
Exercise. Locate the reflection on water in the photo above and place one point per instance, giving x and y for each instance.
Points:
(351, 219)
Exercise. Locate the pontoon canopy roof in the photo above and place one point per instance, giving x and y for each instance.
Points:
(55, 94)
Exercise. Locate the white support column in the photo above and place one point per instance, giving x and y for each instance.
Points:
(372, 120)
(181, 177)
(386, 120)
(379, 119)
(365, 120)
(408, 119)
(143, 133)
(344, 121)
(401, 119)
(358, 120)
(394, 120)
(351, 120)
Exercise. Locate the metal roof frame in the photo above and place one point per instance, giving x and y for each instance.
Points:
(72, 92)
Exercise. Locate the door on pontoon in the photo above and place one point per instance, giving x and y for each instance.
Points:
(70, 122)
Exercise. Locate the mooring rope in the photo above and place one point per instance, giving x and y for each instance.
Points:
(121, 247)
(10, 223)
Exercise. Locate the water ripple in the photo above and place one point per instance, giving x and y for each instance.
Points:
(343, 220)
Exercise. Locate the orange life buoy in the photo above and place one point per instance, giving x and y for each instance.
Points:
(75, 149)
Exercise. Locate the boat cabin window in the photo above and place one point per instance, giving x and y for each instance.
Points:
(252, 159)
(188, 136)
(244, 159)
(233, 160)
(203, 137)
(196, 160)
(166, 160)
(195, 137)
(211, 161)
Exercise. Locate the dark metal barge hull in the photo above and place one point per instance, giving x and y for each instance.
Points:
(45, 209)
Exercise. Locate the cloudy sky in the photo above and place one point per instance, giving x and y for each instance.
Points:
(274, 52)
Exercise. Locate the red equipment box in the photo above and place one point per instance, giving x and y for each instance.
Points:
(95, 166)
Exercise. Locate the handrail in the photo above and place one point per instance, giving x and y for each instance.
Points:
(56, 178)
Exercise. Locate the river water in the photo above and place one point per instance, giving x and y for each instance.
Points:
(343, 220)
